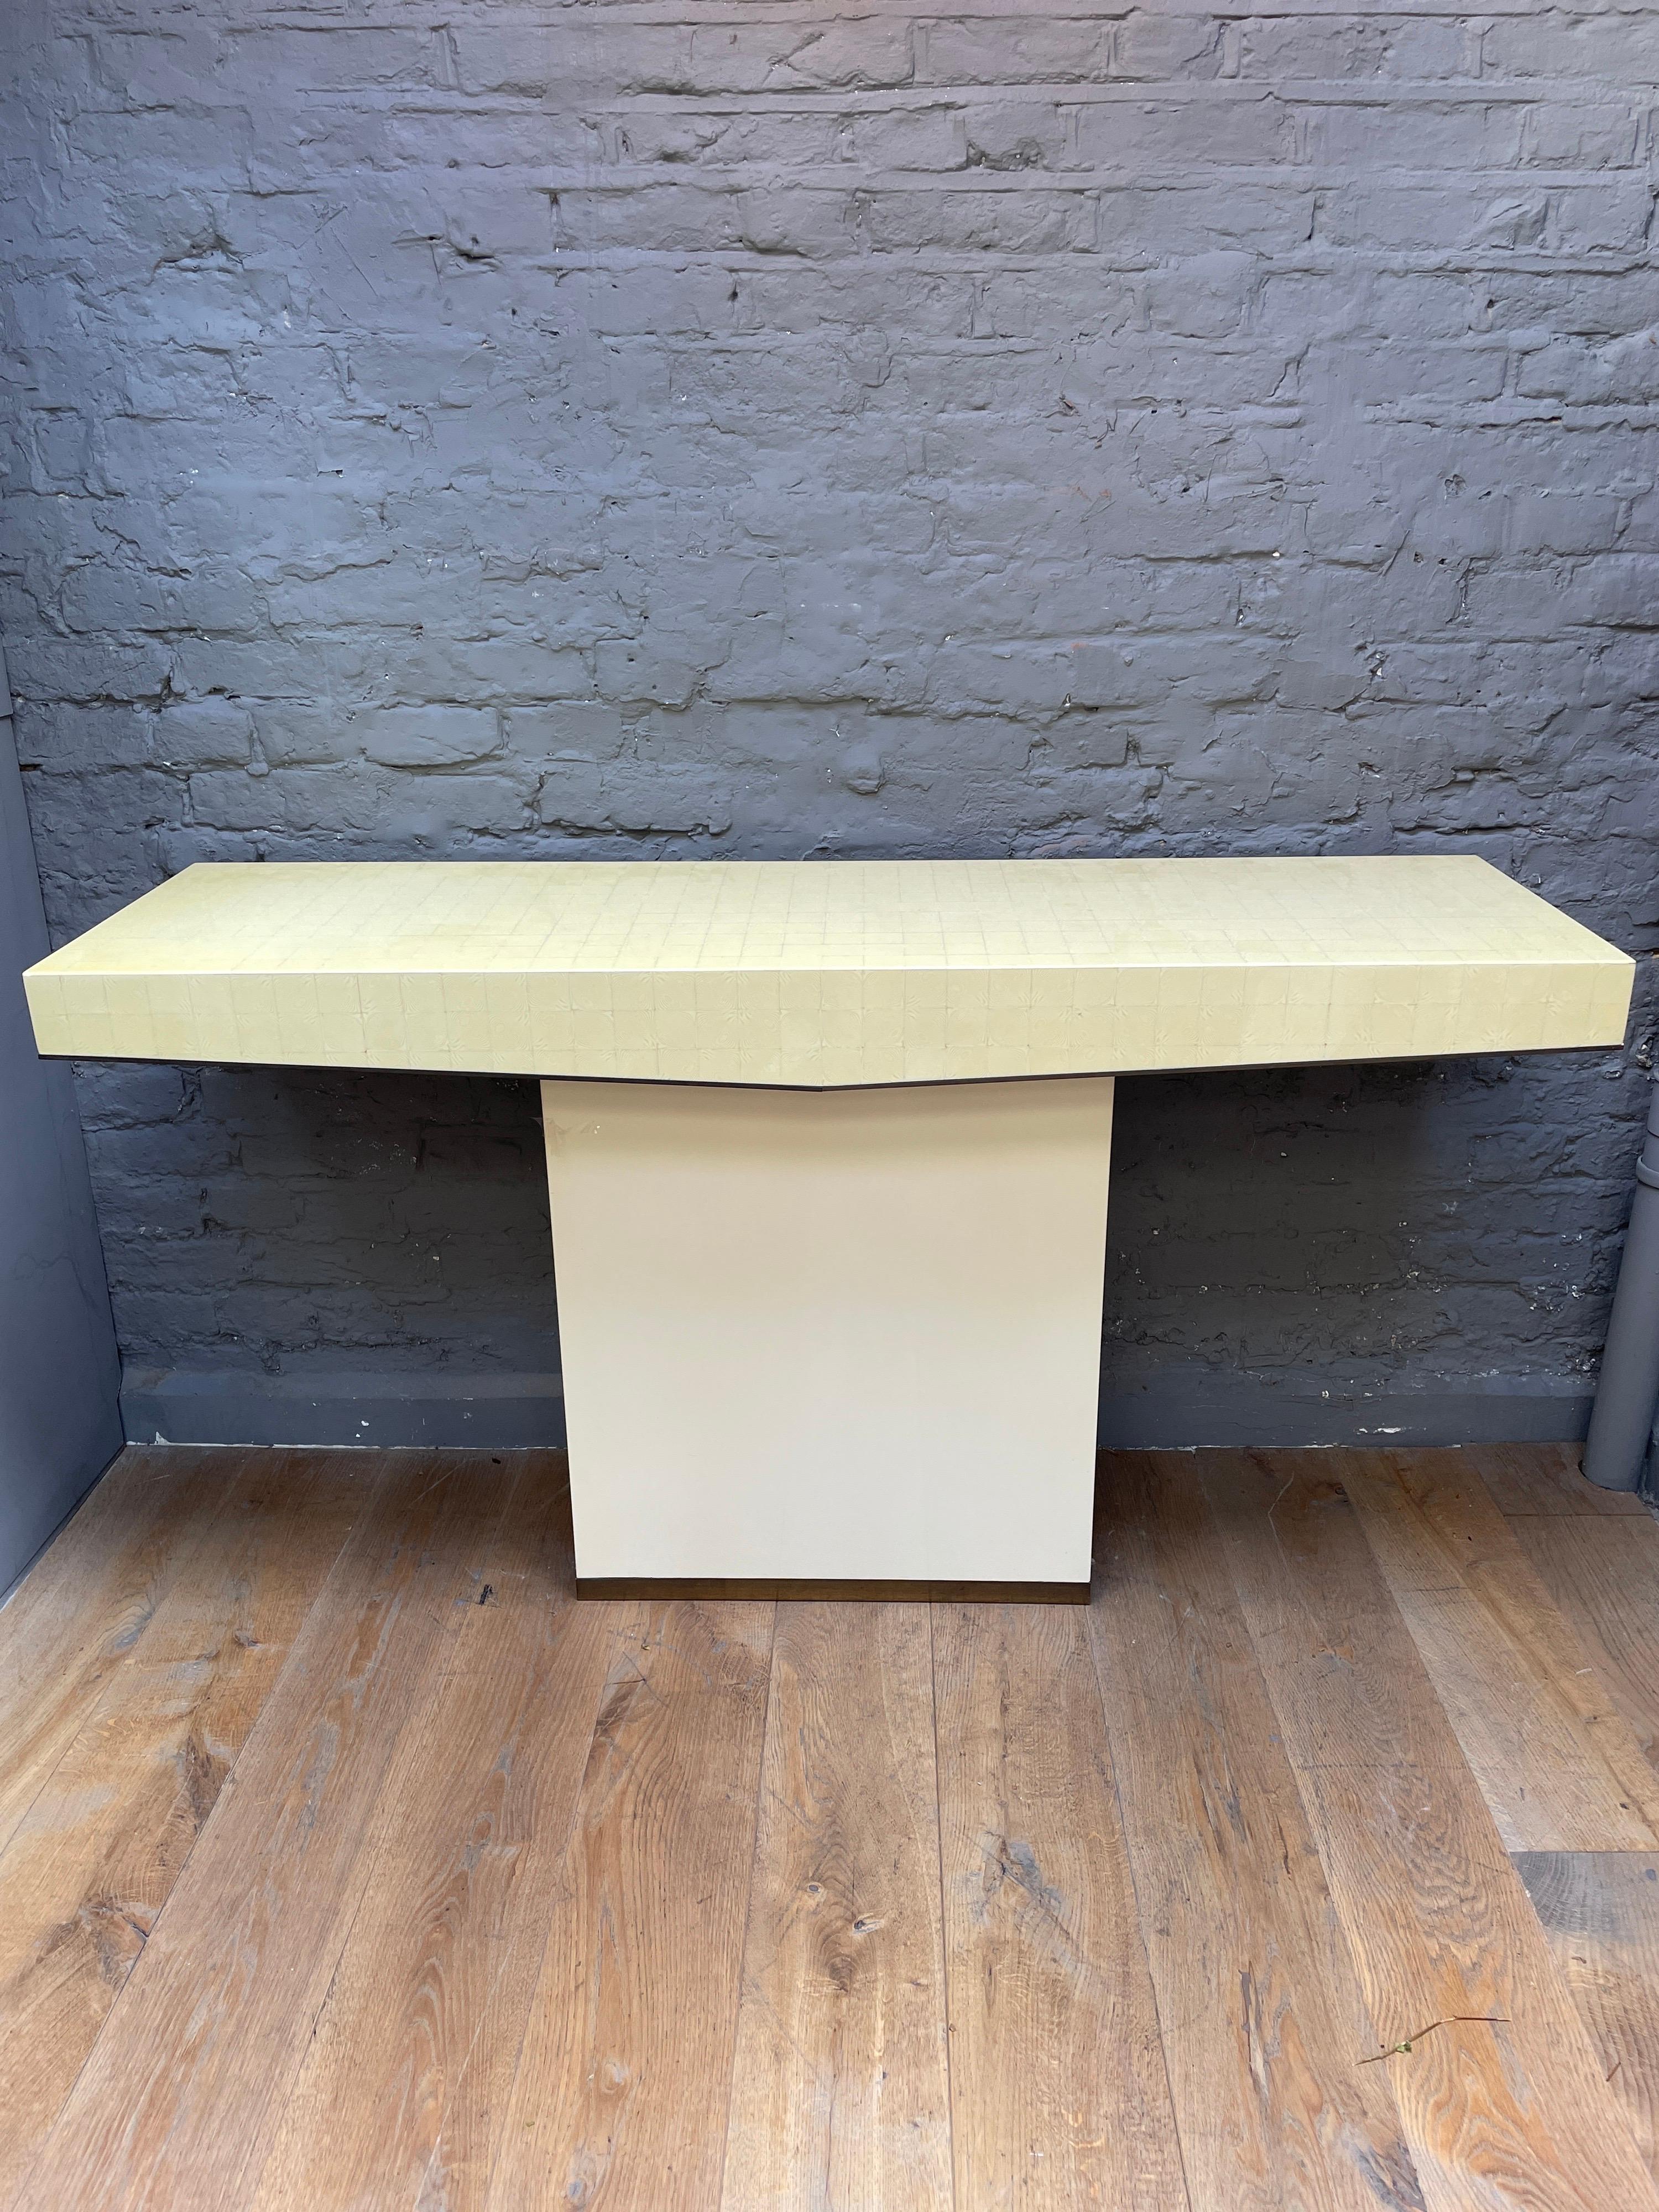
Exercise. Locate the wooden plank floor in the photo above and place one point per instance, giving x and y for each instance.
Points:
(348, 1860)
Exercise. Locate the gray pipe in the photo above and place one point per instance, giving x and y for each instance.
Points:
(1628, 1396)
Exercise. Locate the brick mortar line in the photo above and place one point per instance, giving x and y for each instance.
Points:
(728, 179)
(1631, 95)
(1327, 260)
(789, 15)
(1450, 94)
(1632, 99)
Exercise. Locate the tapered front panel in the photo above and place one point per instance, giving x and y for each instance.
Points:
(840, 1335)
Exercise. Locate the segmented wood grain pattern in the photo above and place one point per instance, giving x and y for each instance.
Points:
(1548, 1479)
(427, 2004)
(1059, 2093)
(355, 1860)
(81, 1609)
(622, 2091)
(92, 1863)
(1499, 2089)
(1557, 1762)
(839, 2092)
(1266, 2027)
(1604, 1575)
(1601, 1913)
(179, 2101)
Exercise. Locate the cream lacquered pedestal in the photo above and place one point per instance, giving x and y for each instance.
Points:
(831, 1334)
(828, 1142)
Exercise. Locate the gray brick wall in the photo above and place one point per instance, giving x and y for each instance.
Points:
(674, 428)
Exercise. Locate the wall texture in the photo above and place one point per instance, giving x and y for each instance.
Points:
(768, 428)
(60, 1378)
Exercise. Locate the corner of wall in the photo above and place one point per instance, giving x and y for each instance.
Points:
(59, 1369)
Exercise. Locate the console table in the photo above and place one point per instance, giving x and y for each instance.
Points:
(828, 1142)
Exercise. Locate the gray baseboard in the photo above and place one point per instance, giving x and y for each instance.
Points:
(176, 1405)
(513, 1411)
(1245, 1411)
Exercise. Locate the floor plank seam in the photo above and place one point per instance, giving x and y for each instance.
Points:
(748, 1904)
(122, 1660)
(1589, 2127)
(500, 1968)
(944, 1941)
(1136, 1879)
(501, 1972)
(171, 1903)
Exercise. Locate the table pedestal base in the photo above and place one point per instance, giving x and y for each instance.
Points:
(837, 1336)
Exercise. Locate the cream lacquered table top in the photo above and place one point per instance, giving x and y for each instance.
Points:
(826, 972)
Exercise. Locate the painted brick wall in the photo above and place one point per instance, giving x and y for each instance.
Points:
(758, 428)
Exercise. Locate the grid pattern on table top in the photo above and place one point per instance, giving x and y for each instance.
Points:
(831, 972)
(718, 917)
